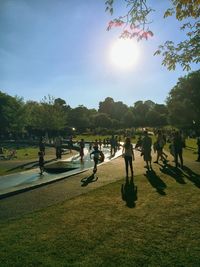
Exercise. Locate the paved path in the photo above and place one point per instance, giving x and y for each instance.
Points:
(57, 170)
(71, 187)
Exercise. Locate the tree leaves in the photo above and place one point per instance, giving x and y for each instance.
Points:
(136, 23)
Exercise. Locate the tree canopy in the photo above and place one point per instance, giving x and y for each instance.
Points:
(183, 101)
(136, 24)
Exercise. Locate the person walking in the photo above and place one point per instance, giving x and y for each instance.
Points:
(146, 149)
(128, 155)
(158, 146)
(178, 148)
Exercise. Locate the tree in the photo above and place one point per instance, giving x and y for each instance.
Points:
(32, 111)
(80, 118)
(102, 120)
(129, 119)
(11, 114)
(115, 110)
(140, 111)
(106, 106)
(183, 101)
(46, 117)
(136, 25)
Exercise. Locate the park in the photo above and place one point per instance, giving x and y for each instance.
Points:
(100, 134)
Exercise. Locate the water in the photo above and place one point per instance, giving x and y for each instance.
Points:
(55, 171)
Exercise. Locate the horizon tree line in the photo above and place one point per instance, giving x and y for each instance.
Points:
(55, 117)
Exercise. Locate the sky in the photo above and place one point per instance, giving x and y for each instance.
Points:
(61, 48)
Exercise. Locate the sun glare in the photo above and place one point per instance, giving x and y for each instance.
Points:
(124, 54)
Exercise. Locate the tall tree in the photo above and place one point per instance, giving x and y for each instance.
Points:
(80, 118)
(183, 101)
(11, 114)
(106, 106)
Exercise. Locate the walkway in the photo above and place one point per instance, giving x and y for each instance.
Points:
(73, 186)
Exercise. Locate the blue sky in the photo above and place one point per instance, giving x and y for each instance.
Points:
(61, 48)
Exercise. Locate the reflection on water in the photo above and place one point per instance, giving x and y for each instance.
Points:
(54, 171)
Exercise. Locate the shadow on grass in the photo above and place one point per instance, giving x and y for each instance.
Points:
(32, 164)
(192, 176)
(156, 182)
(129, 193)
(173, 172)
(90, 179)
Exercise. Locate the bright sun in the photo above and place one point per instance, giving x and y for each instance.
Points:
(124, 54)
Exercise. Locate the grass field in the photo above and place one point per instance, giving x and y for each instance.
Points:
(98, 229)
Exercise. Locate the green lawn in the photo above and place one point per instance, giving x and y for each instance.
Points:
(98, 229)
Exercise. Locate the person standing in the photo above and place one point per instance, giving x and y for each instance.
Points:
(58, 147)
(178, 148)
(82, 146)
(41, 161)
(128, 155)
(42, 145)
(146, 149)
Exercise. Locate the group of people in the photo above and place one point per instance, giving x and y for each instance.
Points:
(145, 146)
(97, 153)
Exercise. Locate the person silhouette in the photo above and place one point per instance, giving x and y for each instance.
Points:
(82, 146)
(146, 149)
(97, 156)
(41, 161)
(178, 148)
(128, 155)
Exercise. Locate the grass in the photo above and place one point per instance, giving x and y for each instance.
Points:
(98, 229)
(88, 137)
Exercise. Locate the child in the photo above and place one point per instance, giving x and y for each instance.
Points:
(41, 161)
(97, 155)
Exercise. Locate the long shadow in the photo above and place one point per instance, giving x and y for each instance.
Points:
(90, 179)
(32, 163)
(173, 172)
(129, 193)
(192, 176)
(156, 182)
